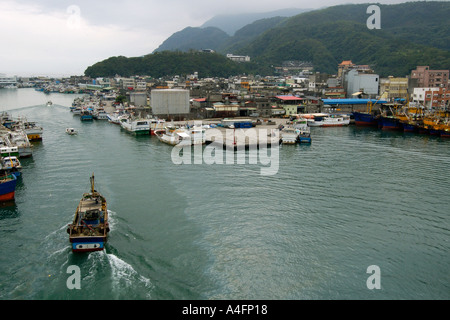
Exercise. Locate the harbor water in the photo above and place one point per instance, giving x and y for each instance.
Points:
(354, 198)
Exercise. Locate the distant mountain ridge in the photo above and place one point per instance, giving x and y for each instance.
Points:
(230, 23)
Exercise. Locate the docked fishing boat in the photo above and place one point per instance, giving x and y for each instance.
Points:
(300, 123)
(6, 120)
(100, 114)
(89, 229)
(20, 140)
(174, 135)
(368, 118)
(77, 110)
(329, 120)
(365, 119)
(86, 115)
(114, 117)
(389, 122)
(71, 131)
(11, 165)
(198, 135)
(135, 126)
(32, 130)
(289, 135)
(156, 124)
(6, 151)
(445, 131)
(8, 184)
(304, 136)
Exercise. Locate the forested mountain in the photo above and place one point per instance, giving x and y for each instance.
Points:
(194, 38)
(411, 34)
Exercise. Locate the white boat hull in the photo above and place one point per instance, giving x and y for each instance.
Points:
(329, 122)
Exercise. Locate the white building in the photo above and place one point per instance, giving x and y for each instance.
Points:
(362, 82)
(170, 101)
(419, 95)
(238, 58)
(7, 81)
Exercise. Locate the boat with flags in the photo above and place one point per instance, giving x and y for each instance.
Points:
(89, 229)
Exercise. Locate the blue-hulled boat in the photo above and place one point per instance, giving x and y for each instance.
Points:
(86, 115)
(89, 229)
(304, 136)
(365, 119)
(8, 187)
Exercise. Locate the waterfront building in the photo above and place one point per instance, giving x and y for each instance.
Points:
(393, 88)
(419, 95)
(431, 78)
(7, 80)
(289, 103)
(437, 99)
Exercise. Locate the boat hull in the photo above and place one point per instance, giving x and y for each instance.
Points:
(390, 124)
(365, 119)
(83, 244)
(8, 188)
(304, 139)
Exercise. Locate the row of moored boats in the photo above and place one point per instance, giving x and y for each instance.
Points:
(15, 137)
(407, 119)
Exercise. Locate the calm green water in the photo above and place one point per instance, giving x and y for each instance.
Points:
(354, 198)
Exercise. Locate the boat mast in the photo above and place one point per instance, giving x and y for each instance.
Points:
(92, 183)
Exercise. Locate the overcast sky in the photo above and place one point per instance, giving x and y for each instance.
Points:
(64, 37)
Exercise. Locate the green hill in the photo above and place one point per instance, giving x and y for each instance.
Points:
(194, 38)
(160, 64)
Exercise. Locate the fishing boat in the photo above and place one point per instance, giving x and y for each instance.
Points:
(20, 140)
(135, 126)
(114, 117)
(100, 114)
(300, 123)
(8, 184)
(174, 136)
(71, 131)
(198, 135)
(329, 120)
(86, 115)
(32, 130)
(289, 135)
(89, 229)
(11, 165)
(368, 118)
(77, 110)
(445, 131)
(304, 136)
(6, 151)
(365, 119)
(156, 124)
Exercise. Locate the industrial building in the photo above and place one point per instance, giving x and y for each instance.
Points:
(170, 102)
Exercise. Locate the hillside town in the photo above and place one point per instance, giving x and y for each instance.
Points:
(296, 89)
